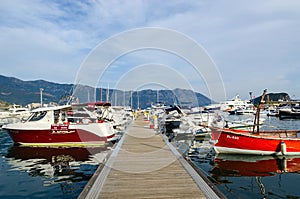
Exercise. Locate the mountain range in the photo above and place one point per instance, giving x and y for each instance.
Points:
(16, 91)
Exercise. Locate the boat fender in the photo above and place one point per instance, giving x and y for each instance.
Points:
(284, 164)
(283, 147)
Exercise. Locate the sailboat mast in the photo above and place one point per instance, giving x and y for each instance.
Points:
(124, 98)
(107, 93)
(138, 105)
(116, 98)
(100, 94)
(131, 99)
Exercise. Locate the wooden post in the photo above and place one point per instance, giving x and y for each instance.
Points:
(256, 119)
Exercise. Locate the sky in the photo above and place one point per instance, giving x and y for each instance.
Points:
(251, 44)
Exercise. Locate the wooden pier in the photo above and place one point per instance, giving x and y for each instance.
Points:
(145, 165)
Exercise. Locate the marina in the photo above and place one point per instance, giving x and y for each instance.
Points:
(146, 162)
(160, 152)
(147, 99)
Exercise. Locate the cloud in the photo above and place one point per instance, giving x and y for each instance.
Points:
(170, 45)
(49, 39)
(35, 45)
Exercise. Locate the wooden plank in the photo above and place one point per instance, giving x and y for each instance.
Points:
(144, 166)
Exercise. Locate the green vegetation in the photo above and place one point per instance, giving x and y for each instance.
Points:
(4, 105)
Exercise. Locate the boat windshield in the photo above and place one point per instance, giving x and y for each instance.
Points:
(37, 116)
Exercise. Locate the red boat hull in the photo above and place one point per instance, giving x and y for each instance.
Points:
(50, 137)
(243, 142)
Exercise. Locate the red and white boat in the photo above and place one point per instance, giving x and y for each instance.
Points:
(61, 126)
(280, 142)
(285, 142)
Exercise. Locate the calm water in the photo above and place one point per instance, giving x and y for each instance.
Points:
(32, 172)
(63, 173)
(246, 177)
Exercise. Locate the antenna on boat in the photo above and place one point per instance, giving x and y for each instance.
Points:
(256, 119)
(41, 96)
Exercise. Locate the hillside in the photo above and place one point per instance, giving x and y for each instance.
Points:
(13, 90)
(16, 91)
(273, 97)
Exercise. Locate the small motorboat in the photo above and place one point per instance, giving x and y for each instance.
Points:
(254, 141)
(61, 126)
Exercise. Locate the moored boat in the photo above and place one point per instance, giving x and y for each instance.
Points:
(242, 124)
(254, 141)
(273, 113)
(8, 120)
(245, 111)
(60, 126)
(234, 104)
(285, 142)
(289, 113)
(15, 111)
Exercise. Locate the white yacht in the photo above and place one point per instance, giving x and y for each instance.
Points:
(234, 104)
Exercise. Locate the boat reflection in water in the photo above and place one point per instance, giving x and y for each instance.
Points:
(259, 167)
(249, 165)
(65, 166)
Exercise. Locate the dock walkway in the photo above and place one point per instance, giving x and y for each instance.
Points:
(144, 165)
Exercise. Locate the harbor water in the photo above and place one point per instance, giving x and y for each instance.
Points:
(33, 172)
